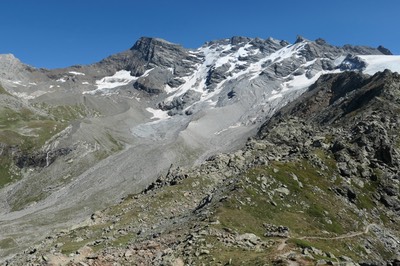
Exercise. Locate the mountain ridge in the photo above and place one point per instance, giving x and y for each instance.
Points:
(233, 40)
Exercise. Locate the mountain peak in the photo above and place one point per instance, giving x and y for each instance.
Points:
(145, 42)
(8, 57)
(384, 50)
(239, 39)
(299, 39)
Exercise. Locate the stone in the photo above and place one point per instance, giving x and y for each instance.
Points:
(317, 251)
(330, 255)
(178, 262)
(252, 238)
(204, 252)
(345, 258)
(283, 190)
(128, 253)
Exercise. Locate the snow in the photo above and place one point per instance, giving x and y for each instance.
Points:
(216, 56)
(230, 127)
(377, 63)
(256, 68)
(157, 113)
(77, 73)
(120, 78)
(275, 96)
(18, 82)
(85, 83)
(168, 89)
(27, 96)
(61, 80)
(212, 58)
(302, 81)
(276, 57)
(339, 60)
(146, 73)
(23, 95)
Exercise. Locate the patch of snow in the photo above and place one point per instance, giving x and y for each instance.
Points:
(302, 82)
(77, 73)
(85, 83)
(18, 82)
(377, 63)
(339, 60)
(275, 96)
(157, 113)
(27, 96)
(61, 80)
(120, 78)
(32, 83)
(51, 86)
(230, 127)
(168, 89)
(146, 73)
(23, 95)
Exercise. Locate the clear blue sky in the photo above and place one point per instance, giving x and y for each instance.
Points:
(59, 33)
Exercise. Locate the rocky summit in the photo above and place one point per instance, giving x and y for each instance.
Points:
(245, 151)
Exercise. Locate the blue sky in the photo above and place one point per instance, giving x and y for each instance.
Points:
(51, 34)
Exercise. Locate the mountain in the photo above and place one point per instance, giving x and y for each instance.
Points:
(86, 136)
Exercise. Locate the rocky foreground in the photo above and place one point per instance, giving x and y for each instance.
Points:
(318, 185)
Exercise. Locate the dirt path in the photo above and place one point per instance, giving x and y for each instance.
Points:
(348, 235)
(282, 243)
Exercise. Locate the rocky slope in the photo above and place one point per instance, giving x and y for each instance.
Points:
(93, 134)
(317, 185)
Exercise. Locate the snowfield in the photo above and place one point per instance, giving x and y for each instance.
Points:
(377, 63)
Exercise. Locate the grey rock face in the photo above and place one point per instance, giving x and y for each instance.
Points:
(158, 52)
(352, 62)
(216, 75)
(361, 50)
(154, 82)
(180, 103)
(39, 159)
(384, 50)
